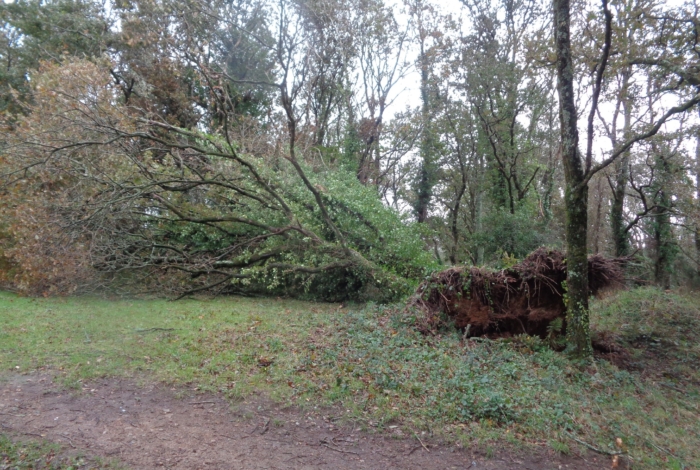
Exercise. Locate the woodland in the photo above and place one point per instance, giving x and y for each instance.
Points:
(344, 150)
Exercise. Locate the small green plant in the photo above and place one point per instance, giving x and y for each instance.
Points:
(560, 447)
(508, 261)
(554, 329)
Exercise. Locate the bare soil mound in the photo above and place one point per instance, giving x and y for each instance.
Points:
(526, 298)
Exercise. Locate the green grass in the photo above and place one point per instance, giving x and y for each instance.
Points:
(372, 363)
(660, 329)
(215, 344)
(21, 455)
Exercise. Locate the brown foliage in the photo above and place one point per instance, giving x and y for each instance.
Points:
(523, 299)
(38, 257)
(41, 252)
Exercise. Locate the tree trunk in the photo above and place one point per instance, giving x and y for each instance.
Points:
(662, 244)
(697, 188)
(598, 211)
(664, 247)
(577, 318)
(454, 218)
(424, 194)
(424, 189)
(576, 197)
(478, 204)
(619, 230)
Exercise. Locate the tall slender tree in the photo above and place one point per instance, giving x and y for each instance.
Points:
(580, 167)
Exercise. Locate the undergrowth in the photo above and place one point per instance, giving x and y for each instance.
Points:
(385, 375)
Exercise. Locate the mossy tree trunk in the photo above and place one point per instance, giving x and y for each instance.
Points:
(577, 321)
(663, 243)
(576, 197)
(578, 169)
(663, 239)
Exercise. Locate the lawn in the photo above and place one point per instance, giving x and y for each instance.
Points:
(371, 361)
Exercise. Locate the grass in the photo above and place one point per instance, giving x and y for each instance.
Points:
(21, 455)
(217, 345)
(372, 363)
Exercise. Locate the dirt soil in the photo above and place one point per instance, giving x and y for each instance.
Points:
(149, 427)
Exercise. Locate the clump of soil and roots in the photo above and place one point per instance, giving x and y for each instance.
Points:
(526, 298)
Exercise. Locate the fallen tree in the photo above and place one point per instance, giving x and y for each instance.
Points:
(149, 207)
(526, 298)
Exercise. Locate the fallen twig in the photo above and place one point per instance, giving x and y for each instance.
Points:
(325, 444)
(672, 387)
(203, 403)
(657, 447)
(664, 450)
(413, 450)
(69, 440)
(265, 427)
(151, 330)
(421, 442)
(592, 447)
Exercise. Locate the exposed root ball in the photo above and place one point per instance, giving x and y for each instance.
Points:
(523, 299)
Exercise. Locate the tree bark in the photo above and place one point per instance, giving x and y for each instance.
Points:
(454, 215)
(598, 211)
(664, 246)
(576, 196)
(424, 188)
(697, 189)
(619, 228)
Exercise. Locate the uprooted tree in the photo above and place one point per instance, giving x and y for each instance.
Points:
(527, 298)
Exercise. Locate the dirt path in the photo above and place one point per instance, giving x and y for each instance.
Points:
(151, 428)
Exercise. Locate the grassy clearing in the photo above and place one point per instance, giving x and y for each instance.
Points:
(21, 455)
(215, 345)
(384, 374)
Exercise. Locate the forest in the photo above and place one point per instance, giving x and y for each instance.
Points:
(343, 151)
(405, 233)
